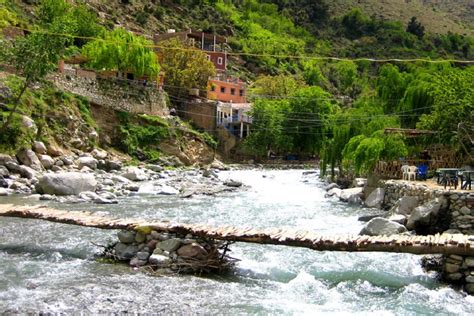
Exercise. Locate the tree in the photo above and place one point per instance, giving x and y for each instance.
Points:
(453, 102)
(33, 56)
(186, 68)
(416, 28)
(277, 86)
(121, 50)
(268, 127)
(308, 119)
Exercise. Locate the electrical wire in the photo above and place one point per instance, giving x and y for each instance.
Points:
(304, 57)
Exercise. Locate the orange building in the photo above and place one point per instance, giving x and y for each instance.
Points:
(226, 89)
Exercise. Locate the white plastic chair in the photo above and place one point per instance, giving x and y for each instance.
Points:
(405, 172)
(412, 172)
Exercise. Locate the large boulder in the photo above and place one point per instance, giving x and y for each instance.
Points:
(5, 158)
(29, 158)
(382, 226)
(135, 174)
(99, 154)
(4, 171)
(424, 215)
(46, 161)
(54, 150)
(375, 199)
(39, 148)
(349, 194)
(404, 205)
(334, 192)
(87, 162)
(193, 250)
(67, 183)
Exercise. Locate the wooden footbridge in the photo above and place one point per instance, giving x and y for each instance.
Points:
(435, 244)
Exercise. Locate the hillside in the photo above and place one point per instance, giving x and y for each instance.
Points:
(438, 16)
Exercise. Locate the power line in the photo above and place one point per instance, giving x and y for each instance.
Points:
(304, 57)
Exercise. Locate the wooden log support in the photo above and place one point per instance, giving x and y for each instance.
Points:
(443, 244)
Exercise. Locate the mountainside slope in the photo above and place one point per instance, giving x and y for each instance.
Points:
(438, 16)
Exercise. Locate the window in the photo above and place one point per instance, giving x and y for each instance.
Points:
(232, 91)
(241, 92)
(208, 57)
(220, 61)
(222, 89)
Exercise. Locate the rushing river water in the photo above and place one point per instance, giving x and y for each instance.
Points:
(48, 267)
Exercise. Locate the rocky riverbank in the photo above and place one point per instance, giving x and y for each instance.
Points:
(414, 208)
(102, 178)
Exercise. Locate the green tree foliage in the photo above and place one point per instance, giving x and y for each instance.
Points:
(452, 91)
(7, 17)
(121, 50)
(416, 28)
(268, 132)
(185, 68)
(308, 119)
(391, 87)
(275, 86)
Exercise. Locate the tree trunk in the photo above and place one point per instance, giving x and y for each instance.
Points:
(16, 103)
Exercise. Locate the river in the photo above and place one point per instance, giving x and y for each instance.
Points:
(49, 267)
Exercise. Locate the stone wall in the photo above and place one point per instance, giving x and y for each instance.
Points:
(459, 270)
(118, 95)
(460, 203)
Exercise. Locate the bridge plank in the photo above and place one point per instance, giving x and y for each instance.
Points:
(443, 244)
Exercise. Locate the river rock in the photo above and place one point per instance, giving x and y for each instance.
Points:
(5, 158)
(424, 214)
(451, 268)
(67, 183)
(29, 158)
(87, 162)
(143, 255)
(398, 218)
(159, 260)
(104, 201)
(154, 167)
(216, 164)
(126, 236)
(382, 226)
(233, 183)
(137, 262)
(53, 150)
(140, 237)
(4, 171)
(404, 205)
(27, 172)
(167, 190)
(46, 161)
(39, 148)
(331, 186)
(334, 192)
(3, 182)
(135, 174)
(375, 198)
(67, 160)
(347, 193)
(4, 191)
(99, 153)
(124, 251)
(193, 250)
(169, 245)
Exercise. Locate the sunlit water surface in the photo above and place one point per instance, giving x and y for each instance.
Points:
(48, 267)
